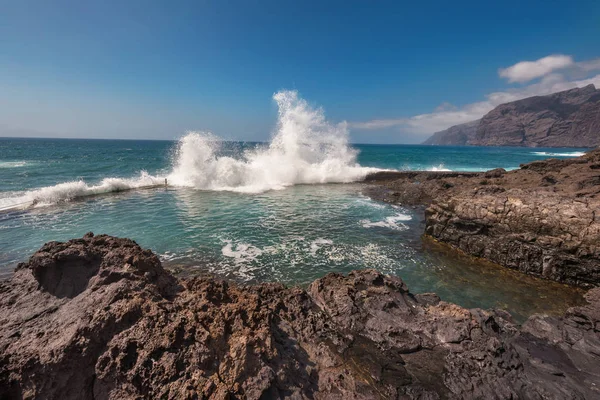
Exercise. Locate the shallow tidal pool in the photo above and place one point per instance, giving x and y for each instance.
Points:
(293, 236)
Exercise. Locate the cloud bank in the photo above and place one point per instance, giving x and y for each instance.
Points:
(547, 75)
(525, 71)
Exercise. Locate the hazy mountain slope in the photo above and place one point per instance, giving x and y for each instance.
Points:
(565, 119)
(457, 135)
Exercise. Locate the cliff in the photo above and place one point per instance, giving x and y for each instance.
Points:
(99, 318)
(541, 219)
(457, 135)
(565, 119)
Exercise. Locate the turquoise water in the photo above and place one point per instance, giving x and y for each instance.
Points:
(34, 163)
(292, 235)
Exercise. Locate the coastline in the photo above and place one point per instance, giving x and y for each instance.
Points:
(540, 219)
(99, 317)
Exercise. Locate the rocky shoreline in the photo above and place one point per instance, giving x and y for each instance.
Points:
(99, 318)
(541, 219)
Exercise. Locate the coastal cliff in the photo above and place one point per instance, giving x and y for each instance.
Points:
(565, 119)
(457, 135)
(541, 219)
(99, 318)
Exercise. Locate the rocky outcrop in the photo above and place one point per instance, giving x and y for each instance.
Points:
(565, 119)
(99, 318)
(457, 135)
(542, 219)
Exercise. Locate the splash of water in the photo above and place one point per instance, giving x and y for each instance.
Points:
(305, 149)
(440, 167)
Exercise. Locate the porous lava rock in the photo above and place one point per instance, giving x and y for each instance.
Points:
(99, 318)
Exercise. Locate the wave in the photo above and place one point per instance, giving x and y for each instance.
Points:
(67, 191)
(550, 154)
(305, 149)
(440, 167)
(13, 164)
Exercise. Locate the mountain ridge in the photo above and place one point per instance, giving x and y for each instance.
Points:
(569, 118)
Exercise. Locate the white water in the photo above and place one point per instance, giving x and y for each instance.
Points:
(317, 244)
(75, 189)
(440, 167)
(13, 164)
(393, 222)
(305, 149)
(549, 154)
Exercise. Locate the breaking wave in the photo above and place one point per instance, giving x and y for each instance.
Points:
(568, 154)
(440, 167)
(305, 149)
(76, 189)
(13, 164)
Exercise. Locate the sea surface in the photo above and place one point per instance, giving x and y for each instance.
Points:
(289, 210)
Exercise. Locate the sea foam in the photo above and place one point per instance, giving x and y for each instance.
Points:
(394, 222)
(550, 154)
(13, 164)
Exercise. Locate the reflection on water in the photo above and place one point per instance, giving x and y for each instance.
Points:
(478, 283)
(293, 236)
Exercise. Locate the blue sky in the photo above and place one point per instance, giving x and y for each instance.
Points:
(395, 71)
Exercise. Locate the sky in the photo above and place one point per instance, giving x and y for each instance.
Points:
(394, 71)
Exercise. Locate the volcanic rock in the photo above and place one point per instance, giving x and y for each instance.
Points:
(99, 318)
(541, 219)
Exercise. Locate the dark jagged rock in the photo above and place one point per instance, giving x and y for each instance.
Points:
(565, 119)
(542, 219)
(99, 318)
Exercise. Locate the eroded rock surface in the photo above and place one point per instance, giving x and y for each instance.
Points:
(543, 219)
(99, 318)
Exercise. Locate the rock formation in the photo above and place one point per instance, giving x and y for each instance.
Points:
(541, 219)
(457, 135)
(99, 318)
(565, 119)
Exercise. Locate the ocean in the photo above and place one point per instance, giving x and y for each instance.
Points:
(289, 210)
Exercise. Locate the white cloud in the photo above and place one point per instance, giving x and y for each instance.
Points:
(591, 65)
(445, 116)
(525, 71)
(445, 106)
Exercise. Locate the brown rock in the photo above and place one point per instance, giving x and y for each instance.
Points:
(541, 219)
(98, 318)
